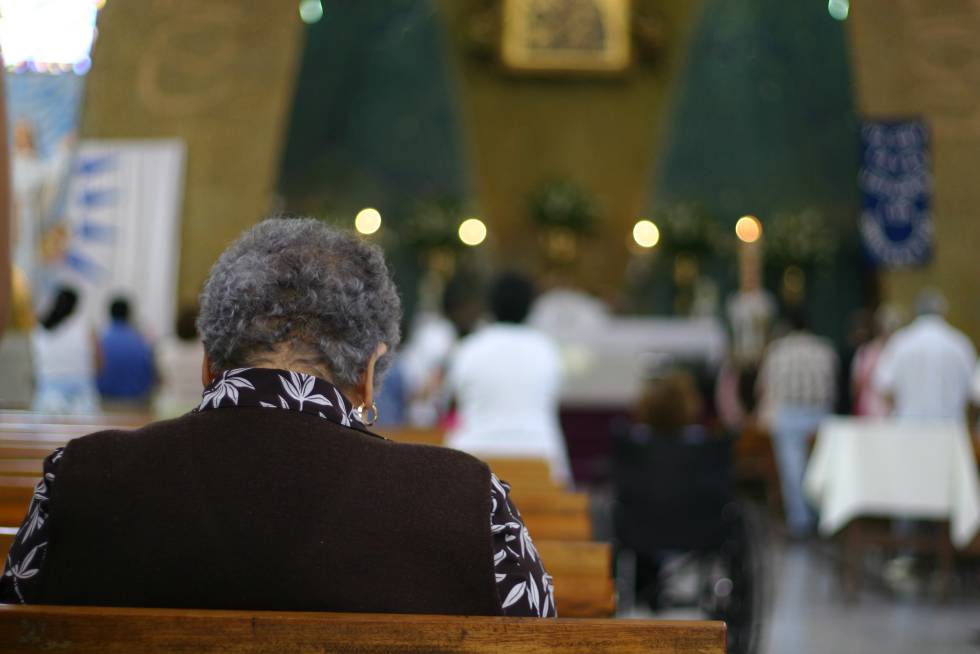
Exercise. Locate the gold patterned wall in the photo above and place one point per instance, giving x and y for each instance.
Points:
(601, 133)
(218, 75)
(917, 58)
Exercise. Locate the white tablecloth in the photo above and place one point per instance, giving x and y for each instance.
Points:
(887, 468)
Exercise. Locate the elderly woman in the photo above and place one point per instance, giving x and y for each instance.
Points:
(273, 493)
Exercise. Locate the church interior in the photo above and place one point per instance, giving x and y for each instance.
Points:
(694, 286)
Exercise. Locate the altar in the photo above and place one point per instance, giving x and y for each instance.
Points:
(606, 360)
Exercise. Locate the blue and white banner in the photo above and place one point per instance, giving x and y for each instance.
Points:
(896, 221)
(124, 209)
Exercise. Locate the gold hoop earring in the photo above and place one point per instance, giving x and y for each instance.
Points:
(372, 411)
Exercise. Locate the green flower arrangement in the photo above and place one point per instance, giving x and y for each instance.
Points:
(433, 226)
(688, 228)
(803, 238)
(564, 205)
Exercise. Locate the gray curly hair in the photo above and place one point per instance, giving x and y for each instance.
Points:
(319, 292)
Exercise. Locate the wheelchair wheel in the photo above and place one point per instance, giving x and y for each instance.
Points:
(733, 589)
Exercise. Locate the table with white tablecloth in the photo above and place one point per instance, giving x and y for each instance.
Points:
(894, 469)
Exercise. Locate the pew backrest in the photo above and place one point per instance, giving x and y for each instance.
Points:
(582, 572)
(119, 420)
(34, 629)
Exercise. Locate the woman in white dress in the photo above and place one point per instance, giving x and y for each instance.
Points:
(65, 359)
(506, 378)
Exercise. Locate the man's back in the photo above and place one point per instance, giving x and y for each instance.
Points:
(800, 369)
(127, 371)
(506, 379)
(926, 369)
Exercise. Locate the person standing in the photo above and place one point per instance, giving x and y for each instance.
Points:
(866, 401)
(925, 370)
(506, 378)
(798, 388)
(16, 362)
(64, 359)
(127, 373)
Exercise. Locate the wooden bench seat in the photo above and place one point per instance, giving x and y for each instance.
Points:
(91, 630)
(549, 511)
(15, 497)
(25, 449)
(582, 574)
(123, 420)
(414, 435)
(17, 486)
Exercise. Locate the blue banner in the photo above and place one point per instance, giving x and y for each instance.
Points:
(896, 220)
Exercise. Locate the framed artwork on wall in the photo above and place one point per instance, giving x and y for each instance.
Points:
(566, 36)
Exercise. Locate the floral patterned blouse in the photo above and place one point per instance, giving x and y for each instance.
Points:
(523, 586)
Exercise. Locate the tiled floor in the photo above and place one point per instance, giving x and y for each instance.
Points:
(809, 615)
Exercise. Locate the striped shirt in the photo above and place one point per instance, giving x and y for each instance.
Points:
(800, 369)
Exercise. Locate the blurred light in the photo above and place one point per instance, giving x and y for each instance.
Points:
(723, 587)
(472, 231)
(50, 36)
(839, 9)
(310, 11)
(646, 234)
(367, 221)
(83, 66)
(748, 229)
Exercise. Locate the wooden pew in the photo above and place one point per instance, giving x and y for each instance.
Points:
(35, 629)
(514, 470)
(416, 435)
(25, 449)
(15, 497)
(555, 526)
(549, 514)
(119, 420)
(6, 540)
(582, 574)
(520, 473)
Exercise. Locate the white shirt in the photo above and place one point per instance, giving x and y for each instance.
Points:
(927, 369)
(750, 313)
(422, 361)
(65, 353)
(506, 379)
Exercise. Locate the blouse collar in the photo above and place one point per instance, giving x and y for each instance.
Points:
(280, 389)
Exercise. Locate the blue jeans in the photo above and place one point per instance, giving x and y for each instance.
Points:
(791, 426)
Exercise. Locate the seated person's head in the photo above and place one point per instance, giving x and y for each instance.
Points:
(930, 302)
(62, 308)
(511, 297)
(462, 302)
(119, 310)
(186, 326)
(798, 319)
(670, 402)
(295, 294)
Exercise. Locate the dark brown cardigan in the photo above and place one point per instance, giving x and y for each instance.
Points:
(249, 508)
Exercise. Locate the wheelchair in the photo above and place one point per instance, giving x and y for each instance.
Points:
(676, 518)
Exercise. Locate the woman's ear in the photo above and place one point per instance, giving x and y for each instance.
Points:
(366, 390)
(206, 375)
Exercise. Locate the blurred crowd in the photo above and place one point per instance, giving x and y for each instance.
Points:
(486, 368)
(55, 361)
